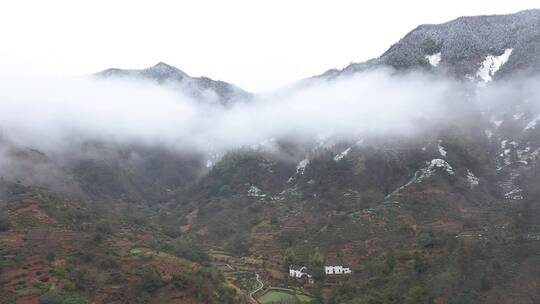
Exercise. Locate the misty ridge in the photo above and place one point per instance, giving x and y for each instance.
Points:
(52, 128)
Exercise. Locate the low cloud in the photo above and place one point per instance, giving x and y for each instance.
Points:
(50, 113)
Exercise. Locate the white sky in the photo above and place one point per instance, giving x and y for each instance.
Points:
(257, 45)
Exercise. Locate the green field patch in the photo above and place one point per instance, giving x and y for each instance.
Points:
(243, 267)
(304, 298)
(278, 295)
(217, 251)
(220, 256)
(135, 251)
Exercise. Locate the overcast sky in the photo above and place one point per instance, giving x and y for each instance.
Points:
(258, 45)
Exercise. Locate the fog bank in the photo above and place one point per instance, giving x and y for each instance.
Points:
(48, 113)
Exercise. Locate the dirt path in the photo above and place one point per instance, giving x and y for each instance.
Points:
(256, 290)
(257, 277)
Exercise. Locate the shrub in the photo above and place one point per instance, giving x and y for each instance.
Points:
(5, 224)
(50, 256)
(42, 286)
(83, 279)
(171, 231)
(85, 255)
(150, 281)
(418, 295)
(238, 245)
(51, 297)
(69, 286)
(390, 260)
(108, 263)
(485, 284)
(116, 278)
(189, 250)
(181, 280)
(104, 228)
(8, 299)
(97, 239)
(73, 298)
(420, 266)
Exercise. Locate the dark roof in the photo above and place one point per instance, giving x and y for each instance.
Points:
(296, 267)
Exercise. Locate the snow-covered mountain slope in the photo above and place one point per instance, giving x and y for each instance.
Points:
(479, 47)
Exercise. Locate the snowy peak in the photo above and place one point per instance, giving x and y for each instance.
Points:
(163, 67)
(160, 71)
(201, 88)
(164, 70)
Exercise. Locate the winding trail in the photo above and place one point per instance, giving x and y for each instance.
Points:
(257, 277)
(256, 290)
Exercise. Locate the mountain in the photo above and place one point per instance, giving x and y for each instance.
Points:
(449, 215)
(201, 88)
(466, 46)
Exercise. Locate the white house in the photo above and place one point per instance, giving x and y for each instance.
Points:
(330, 270)
(298, 272)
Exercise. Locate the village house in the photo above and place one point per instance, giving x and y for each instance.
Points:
(298, 272)
(336, 270)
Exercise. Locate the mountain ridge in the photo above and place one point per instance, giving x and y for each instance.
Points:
(196, 87)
